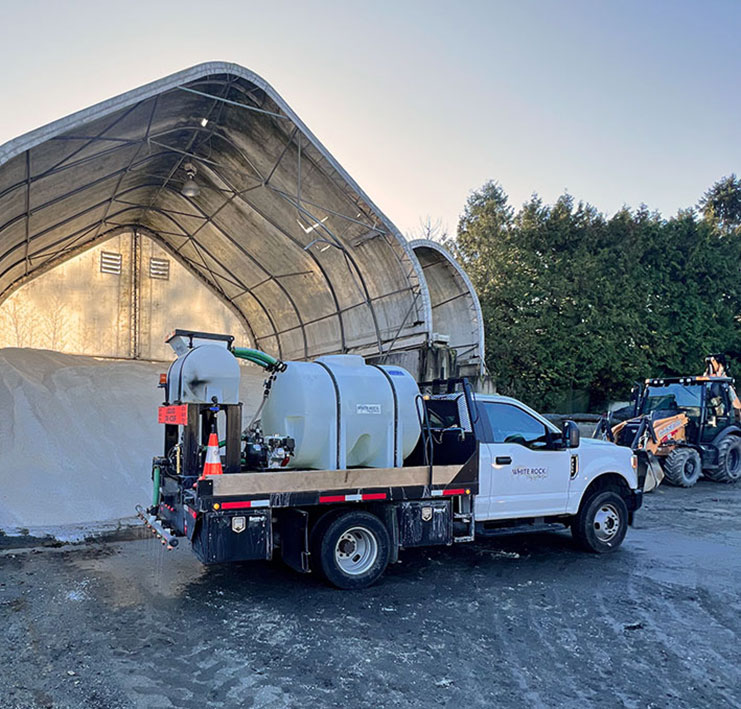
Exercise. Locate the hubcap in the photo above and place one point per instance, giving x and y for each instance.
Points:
(689, 468)
(356, 551)
(606, 523)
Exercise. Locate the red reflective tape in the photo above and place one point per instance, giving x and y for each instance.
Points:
(192, 512)
(235, 505)
(332, 498)
(454, 491)
(375, 496)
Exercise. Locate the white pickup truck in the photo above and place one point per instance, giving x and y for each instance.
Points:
(483, 465)
(528, 468)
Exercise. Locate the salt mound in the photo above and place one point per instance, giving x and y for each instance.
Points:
(77, 437)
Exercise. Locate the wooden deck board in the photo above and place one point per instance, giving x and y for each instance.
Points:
(325, 480)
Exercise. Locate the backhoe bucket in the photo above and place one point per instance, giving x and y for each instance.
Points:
(654, 472)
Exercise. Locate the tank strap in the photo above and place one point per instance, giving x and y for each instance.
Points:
(339, 409)
(397, 462)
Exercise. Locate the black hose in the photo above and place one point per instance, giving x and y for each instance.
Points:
(424, 424)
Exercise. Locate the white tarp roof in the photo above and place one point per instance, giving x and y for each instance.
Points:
(279, 230)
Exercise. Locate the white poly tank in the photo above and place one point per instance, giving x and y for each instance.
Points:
(204, 372)
(343, 413)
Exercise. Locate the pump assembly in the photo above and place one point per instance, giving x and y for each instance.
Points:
(331, 414)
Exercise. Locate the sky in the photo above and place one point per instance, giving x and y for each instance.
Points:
(618, 102)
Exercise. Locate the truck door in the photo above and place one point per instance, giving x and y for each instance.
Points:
(523, 471)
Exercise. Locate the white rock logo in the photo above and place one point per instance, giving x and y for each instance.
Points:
(532, 473)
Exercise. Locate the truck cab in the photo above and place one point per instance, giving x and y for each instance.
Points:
(532, 475)
(528, 467)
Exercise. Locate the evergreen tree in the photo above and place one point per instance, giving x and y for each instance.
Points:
(577, 307)
(722, 203)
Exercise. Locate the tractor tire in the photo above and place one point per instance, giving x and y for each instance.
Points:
(682, 467)
(354, 550)
(602, 521)
(729, 461)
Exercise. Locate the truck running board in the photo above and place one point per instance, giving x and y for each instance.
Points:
(528, 527)
(458, 540)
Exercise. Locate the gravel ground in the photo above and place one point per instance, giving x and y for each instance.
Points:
(526, 621)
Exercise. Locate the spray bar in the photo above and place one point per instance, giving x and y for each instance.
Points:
(157, 529)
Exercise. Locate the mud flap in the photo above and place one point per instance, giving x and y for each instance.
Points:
(294, 539)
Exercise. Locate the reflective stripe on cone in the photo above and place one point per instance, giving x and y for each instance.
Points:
(212, 465)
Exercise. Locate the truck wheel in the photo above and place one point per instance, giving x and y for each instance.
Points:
(601, 523)
(682, 467)
(354, 550)
(729, 461)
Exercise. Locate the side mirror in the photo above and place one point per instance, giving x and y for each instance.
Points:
(571, 434)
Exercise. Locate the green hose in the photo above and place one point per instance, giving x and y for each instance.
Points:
(156, 484)
(255, 356)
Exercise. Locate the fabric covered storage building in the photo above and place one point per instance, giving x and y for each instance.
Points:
(213, 166)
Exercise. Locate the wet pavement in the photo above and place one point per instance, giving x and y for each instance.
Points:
(524, 621)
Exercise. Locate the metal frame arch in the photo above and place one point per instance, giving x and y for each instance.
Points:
(434, 246)
(239, 194)
(199, 72)
(220, 82)
(249, 256)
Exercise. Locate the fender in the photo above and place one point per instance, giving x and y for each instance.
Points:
(596, 459)
(733, 428)
(709, 451)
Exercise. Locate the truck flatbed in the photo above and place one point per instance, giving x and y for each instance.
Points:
(291, 487)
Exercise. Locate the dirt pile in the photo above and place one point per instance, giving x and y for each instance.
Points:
(77, 436)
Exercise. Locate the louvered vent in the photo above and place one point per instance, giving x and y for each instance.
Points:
(159, 268)
(110, 263)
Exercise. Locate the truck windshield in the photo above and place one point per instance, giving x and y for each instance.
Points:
(673, 397)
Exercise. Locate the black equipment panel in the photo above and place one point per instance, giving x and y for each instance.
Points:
(233, 536)
(425, 523)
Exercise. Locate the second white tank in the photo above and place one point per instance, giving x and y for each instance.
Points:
(344, 413)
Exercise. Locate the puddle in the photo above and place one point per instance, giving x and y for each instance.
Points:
(137, 572)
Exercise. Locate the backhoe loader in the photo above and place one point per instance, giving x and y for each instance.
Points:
(685, 426)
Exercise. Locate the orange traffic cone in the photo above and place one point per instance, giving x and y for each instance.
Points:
(212, 465)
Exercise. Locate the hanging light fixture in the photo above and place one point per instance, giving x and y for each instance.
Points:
(190, 187)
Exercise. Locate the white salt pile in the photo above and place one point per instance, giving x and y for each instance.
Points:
(77, 437)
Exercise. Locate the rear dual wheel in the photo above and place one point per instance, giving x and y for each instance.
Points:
(352, 548)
